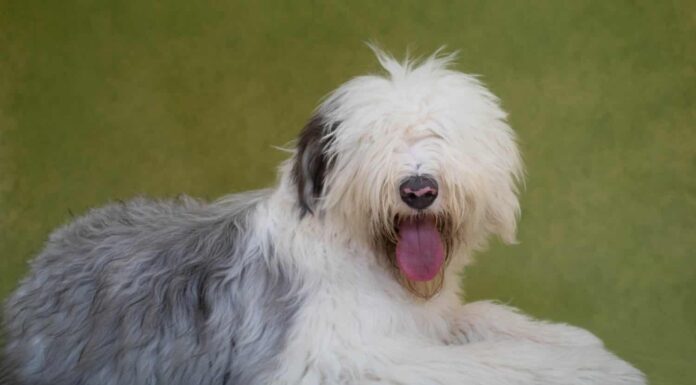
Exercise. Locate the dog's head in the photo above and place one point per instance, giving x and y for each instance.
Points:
(420, 163)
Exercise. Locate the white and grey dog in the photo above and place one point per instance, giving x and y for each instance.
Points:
(344, 273)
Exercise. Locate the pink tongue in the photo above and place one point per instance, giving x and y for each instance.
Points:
(419, 251)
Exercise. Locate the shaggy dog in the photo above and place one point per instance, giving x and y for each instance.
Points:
(344, 273)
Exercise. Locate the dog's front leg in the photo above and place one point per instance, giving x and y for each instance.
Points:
(501, 362)
(490, 321)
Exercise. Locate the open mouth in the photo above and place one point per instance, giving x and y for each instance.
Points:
(420, 250)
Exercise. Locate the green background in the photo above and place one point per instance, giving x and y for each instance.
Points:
(105, 100)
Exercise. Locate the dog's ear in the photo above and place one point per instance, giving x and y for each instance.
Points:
(312, 162)
(503, 207)
(503, 212)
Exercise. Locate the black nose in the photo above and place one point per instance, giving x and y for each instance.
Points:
(419, 191)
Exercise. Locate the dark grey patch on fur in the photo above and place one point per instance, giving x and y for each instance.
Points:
(152, 292)
(312, 162)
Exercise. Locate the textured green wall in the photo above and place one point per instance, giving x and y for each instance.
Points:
(105, 100)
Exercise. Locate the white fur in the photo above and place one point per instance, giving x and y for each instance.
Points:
(358, 325)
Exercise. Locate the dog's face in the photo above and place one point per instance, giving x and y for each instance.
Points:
(420, 164)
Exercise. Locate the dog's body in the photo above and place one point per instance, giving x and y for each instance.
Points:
(345, 273)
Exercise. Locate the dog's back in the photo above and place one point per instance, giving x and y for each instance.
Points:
(174, 292)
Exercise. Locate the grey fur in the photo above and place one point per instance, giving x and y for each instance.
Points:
(152, 292)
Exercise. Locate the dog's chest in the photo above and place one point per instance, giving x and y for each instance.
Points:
(341, 330)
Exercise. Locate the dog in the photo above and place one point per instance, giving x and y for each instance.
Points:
(344, 273)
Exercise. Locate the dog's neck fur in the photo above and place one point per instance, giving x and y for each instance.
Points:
(320, 245)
